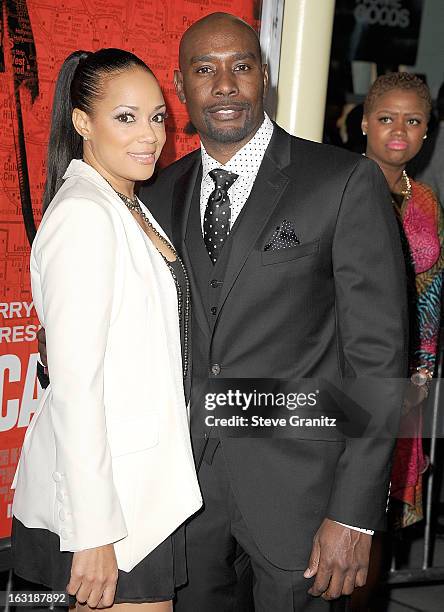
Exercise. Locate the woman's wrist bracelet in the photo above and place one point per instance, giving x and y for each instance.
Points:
(421, 377)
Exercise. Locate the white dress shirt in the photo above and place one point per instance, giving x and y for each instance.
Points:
(245, 163)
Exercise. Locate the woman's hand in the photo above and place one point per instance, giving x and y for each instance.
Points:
(94, 576)
(414, 395)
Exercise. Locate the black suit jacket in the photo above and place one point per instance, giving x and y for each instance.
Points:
(332, 306)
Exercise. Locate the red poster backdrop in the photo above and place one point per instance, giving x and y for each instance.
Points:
(35, 38)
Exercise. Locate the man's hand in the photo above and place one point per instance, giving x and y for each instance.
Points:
(94, 576)
(41, 337)
(339, 560)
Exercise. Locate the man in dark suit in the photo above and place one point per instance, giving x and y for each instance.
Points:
(296, 272)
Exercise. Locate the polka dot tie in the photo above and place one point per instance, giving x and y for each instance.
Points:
(217, 213)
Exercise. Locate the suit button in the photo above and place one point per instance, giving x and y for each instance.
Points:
(215, 369)
(214, 284)
(213, 310)
(61, 495)
(57, 476)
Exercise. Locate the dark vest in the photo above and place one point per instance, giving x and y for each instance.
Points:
(208, 283)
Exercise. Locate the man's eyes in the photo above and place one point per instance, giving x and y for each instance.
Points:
(204, 70)
(242, 67)
(385, 119)
(209, 69)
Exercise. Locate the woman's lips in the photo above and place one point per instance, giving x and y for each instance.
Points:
(143, 158)
(397, 145)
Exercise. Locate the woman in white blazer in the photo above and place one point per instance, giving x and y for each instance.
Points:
(106, 474)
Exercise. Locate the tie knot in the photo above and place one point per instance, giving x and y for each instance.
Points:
(223, 178)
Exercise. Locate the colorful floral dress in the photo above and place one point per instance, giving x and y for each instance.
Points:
(422, 224)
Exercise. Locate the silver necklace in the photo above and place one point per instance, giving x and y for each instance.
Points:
(184, 305)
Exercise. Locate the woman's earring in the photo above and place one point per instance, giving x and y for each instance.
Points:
(424, 137)
(364, 133)
(85, 138)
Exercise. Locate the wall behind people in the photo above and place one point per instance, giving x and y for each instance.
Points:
(429, 60)
(428, 166)
(37, 36)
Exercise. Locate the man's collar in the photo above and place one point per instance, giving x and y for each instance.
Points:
(254, 150)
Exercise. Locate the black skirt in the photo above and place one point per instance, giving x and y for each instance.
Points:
(37, 557)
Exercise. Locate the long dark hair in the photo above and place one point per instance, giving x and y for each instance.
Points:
(79, 85)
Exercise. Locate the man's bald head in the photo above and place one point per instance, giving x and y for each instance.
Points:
(215, 23)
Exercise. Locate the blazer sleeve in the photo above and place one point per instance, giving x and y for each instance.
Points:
(371, 314)
(76, 254)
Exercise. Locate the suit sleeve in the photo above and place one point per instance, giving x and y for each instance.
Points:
(157, 195)
(76, 254)
(371, 314)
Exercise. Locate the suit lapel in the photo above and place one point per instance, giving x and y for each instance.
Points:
(182, 198)
(268, 188)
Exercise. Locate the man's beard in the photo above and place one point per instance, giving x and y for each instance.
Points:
(229, 135)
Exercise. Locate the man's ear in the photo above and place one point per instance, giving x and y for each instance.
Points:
(364, 125)
(178, 84)
(266, 78)
(82, 123)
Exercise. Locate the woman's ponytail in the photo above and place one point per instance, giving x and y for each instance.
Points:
(65, 143)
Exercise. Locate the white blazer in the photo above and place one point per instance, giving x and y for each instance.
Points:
(107, 456)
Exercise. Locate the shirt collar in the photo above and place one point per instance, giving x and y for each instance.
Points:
(247, 160)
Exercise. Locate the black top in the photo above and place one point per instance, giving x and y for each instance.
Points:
(176, 267)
